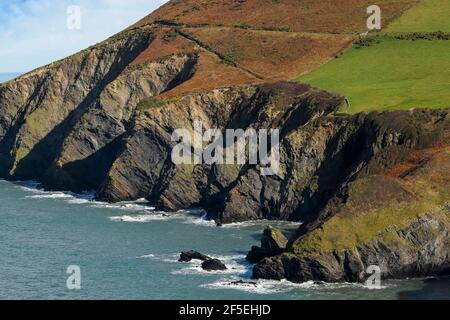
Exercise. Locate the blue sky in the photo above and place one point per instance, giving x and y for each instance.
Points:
(34, 32)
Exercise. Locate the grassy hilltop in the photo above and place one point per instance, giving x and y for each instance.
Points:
(405, 66)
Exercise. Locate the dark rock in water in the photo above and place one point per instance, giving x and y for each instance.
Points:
(424, 251)
(273, 242)
(213, 265)
(273, 239)
(257, 254)
(193, 255)
(242, 282)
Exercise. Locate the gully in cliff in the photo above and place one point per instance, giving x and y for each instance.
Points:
(231, 150)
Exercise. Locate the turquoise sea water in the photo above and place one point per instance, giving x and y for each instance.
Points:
(129, 251)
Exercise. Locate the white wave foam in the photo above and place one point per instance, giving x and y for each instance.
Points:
(193, 216)
(29, 186)
(283, 286)
(236, 265)
(78, 201)
(147, 256)
(169, 258)
(57, 195)
(39, 193)
(257, 223)
(259, 287)
(141, 218)
(199, 219)
(186, 216)
(138, 205)
(86, 197)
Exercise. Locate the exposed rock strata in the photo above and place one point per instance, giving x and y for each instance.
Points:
(398, 221)
(418, 250)
(102, 120)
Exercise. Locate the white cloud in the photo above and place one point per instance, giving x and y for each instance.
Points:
(34, 32)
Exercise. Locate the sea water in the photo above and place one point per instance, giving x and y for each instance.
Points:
(130, 251)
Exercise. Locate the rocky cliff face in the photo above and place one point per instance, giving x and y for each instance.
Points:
(397, 221)
(55, 121)
(420, 249)
(320, 153)
(228, 192)
(91, 122)
(103, 119)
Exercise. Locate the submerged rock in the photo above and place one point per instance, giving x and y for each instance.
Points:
(252, 283)
(193, 255)
(242, 283)
(214, 265)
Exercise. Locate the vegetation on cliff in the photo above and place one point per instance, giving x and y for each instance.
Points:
(364, 184)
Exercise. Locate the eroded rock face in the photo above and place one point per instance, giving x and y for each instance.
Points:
(94, 141)
(103, 142)
(39, 108)
(76, 125)
(397, 221)
(213, 265)
(214, 188)
(320, 153)
(420, 249)
(273, 242)
(192, 255)
(86, 122)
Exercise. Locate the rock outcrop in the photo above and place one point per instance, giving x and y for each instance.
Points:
(102, 120)
(419, 250)
(213, 265)
(117, 139)
(273, 242)
(398, 222)
(192, 255)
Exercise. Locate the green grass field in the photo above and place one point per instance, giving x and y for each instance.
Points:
(393, 74)
(428, 16)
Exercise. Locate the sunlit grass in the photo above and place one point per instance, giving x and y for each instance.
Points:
(392, 74)
(428, 16)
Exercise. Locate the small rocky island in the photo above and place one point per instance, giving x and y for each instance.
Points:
(208, 264)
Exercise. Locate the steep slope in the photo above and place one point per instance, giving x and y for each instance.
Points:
(81, 123)
(398, 221)
(369, 185)
(37, 104)
(326, 16)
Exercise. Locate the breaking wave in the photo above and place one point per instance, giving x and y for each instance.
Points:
(283, 286)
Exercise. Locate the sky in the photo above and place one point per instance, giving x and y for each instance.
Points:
(36, 32)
